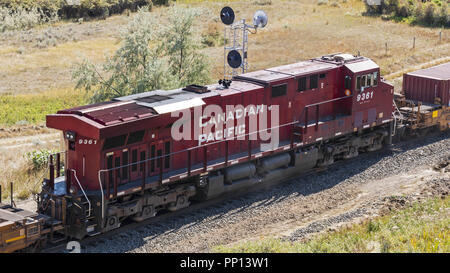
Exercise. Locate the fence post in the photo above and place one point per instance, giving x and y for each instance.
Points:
(386, 48)
(440, 36)
(0, 193)
(414, 43)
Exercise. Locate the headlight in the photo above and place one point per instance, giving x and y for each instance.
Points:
(70, 135)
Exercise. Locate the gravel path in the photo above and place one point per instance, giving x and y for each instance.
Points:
(300, 206)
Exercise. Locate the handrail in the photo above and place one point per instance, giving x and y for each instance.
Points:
(199, 146)
(395, 117)
(89, 202)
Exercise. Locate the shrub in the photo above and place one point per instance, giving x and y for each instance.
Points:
(434, 13)
(38, 159)
(21, 18)
(77, 8)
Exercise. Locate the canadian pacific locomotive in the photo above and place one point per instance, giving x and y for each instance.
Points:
(134, 156)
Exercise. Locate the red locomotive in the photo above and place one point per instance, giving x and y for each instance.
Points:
(122, 160)
(136, 155)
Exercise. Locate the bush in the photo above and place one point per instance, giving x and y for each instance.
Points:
(434, 13)
(39, 159)
(78, 8)
(21, 18)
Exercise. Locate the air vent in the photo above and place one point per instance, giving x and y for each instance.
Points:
(196, 89)
(153, 98)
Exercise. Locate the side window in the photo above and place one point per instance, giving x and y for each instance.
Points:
(279, 90)
(301, 84)
(313, 82)
(363, 81)
(375, 78)
(369, 80)
(358, 83)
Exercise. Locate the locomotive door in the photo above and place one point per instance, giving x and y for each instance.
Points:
(117, 161)
(159, 149)
(138, 154)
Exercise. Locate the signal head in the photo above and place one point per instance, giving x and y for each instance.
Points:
(227, 15)
(234, 59)
(260, 19)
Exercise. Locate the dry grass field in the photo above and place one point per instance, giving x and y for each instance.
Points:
(36, 64)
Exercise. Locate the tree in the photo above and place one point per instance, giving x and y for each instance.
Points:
(182, 47)
(150, 57)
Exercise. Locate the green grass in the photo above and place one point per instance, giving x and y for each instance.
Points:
(32, 108)
(423, 227)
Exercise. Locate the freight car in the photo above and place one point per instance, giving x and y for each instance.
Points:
(424, 102)
(135, 156)
(22, 229)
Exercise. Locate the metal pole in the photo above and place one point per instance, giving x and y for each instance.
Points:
(143, 177)
(306, 119)
(68, 181)
(226, 152)
(243, 45)
(52, 173)
(0, 193)
(58, 164)
(12, 194)
(205, 158)
(189, 162)
(317, 117)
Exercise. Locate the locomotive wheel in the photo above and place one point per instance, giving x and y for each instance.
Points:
(182, 202)
(147, 212)
(112, 222)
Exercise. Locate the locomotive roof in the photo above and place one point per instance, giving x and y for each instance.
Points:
(278, 73)
(441, 72)
(152, 103)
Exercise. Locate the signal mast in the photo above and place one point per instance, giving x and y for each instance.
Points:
(236, 42)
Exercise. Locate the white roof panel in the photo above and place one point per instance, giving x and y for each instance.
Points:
(179, 105)
(361, 66)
